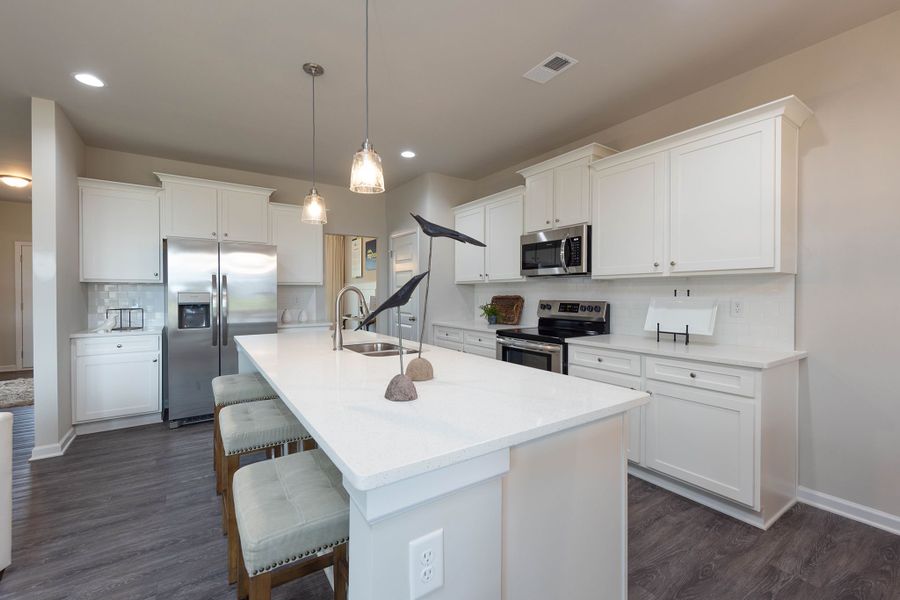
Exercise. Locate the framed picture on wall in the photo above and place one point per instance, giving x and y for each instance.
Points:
(356, 257)
(371, 255)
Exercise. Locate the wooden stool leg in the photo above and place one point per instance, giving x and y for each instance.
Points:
(220, 464)
(293, 447)
(341, 572)
(243, 584)
(261, 587)
(277, 451)
(234, 544)
(309, 444)
(216, 439)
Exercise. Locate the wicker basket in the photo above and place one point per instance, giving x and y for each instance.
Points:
(510, 308)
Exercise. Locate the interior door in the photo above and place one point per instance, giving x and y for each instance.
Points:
(404, 265)
(26, 345)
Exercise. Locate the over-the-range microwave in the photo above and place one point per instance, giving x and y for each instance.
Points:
(562, 251)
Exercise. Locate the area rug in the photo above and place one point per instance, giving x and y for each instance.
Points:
(16, 392)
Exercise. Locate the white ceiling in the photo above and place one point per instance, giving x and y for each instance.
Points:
(219, 81)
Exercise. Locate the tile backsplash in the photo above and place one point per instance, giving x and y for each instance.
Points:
(149, 296)
(768, 303)
(296, 298)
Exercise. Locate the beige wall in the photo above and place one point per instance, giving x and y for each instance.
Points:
(849, 244)
(15, 226)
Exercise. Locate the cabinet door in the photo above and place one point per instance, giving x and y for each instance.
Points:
(633, 418)
(629, 216)
(572, 194)
(120, 238)
(703, 438)
(723, 201)
(300, 246)
(243, 216)
(121, 385)
(503, 220)
(539, 201)
(470, 258)
(191, 211)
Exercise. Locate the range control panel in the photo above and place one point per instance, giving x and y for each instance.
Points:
(588, 310)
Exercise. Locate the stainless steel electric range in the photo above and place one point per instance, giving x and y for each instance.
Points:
(544, 347)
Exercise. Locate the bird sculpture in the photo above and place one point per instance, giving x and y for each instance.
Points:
(421, 369)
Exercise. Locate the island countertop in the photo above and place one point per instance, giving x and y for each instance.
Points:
(473, 406)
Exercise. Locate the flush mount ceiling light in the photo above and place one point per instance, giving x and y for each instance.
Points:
(15, 181)
(89, 79)
(408, 154)
(366, 174)
(314, 211)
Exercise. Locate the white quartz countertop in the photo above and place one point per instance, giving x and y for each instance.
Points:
(741, 356)
(91, 334)
(472, 407)
(479, 325)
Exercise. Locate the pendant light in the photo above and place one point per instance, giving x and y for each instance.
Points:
(366, 175)
(314, 211)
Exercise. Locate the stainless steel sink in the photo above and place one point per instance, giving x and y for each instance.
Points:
(376, 349)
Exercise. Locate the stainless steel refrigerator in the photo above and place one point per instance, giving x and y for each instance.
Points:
(214, 291)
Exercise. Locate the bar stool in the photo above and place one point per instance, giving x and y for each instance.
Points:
(247, 428)
(288, 511)
(234, 389)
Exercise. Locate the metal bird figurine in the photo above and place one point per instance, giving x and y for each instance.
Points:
(397, 299)
(433, 230)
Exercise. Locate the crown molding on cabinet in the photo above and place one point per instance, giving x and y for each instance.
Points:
(591, 151)
(219, 185)
(508, 193)
(87, 182)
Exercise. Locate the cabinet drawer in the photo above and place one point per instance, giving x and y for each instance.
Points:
(448, 334)
(480, 351)
(484, 340)
(115, 345)
(448, 344)
(701, 375)
(608, 360)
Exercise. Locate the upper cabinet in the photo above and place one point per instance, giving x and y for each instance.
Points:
(214, 210)
(496, 220)
(119, 232)
(718, 198)
(300, 246)
(557, 191)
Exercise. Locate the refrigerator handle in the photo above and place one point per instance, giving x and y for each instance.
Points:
(224, 310)
(214, 317)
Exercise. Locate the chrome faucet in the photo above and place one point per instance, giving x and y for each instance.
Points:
(338, 335)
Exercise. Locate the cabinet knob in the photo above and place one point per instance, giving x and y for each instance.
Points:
(548, 222)
(226, 235)
(118, 345)
(557, 220)
(693, 375)
(156, 274)
(672, 263)
(599, 359)
(155, 360)
(656, 264)
(213, 234)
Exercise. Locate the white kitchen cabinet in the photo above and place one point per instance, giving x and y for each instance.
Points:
(722, 201)
(704, 438)
(471, 341)
(119, 232)
(719, 198)
(497, 220)
(300, 246)
(629, 208)
(115, 377)
(214, 210)
(558, 191)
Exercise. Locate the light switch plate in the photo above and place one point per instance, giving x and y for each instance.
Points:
(426, 564)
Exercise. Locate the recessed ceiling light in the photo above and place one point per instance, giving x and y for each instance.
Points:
(408, 154)
(89, 79)
(15, 181)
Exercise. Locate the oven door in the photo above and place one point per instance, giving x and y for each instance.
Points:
(561, 251)
(547, 357)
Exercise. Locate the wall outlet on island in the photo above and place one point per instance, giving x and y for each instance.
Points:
(426, 564)
(737, 308)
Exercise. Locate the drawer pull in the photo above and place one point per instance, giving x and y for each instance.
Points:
(599, 359)
(693, 375)
(155, 360)
(118, 345)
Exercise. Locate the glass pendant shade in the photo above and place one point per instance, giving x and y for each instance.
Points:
(366, 175)
(314, 211)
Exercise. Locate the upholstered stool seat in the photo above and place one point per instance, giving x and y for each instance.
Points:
(243, 387)
(251, 426)
(288, 510)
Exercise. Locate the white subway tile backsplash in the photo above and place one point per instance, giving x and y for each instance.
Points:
(149, 296)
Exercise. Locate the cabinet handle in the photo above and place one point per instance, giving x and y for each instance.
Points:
(155, 360)
(118, 345)
(599, 359)
(557, 220)
(656, 264)
(226, 235)
(156, 274)
(213, 234)
(672, 263)
(693, 375)
(548, 222)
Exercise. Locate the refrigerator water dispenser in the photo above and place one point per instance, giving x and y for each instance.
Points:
(193, 310)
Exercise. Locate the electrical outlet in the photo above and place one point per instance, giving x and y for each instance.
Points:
(426, 564)
(737, 308)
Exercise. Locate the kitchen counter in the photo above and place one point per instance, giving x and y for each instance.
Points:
(304, 325)
(484, 457)
(479, 325)
(741, 356)
(91, 334)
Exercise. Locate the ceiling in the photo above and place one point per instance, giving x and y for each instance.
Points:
(219, 81)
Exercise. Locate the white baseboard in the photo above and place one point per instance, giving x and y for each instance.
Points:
(7, 368)
(54, 450)
(120, 423)
(851, 510)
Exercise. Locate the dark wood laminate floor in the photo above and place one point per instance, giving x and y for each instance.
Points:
(132, 515)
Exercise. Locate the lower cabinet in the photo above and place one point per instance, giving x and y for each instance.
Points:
(115, 377)
(633, 418)
(464, 340)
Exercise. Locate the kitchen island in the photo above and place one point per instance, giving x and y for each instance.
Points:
(522, 471)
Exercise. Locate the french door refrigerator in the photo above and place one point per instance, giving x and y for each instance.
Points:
(214, 292)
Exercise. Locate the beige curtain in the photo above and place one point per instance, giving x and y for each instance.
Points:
(334, 271)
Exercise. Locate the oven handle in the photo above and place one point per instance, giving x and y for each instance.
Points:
(522, 345)
(562, 254)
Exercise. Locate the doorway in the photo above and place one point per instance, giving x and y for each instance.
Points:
(24, 341)
(350, 260)
(404, 265)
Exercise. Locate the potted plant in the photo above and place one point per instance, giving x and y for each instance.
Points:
(490, 311)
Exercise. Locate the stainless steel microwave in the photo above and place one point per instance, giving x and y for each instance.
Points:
(563, 251)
